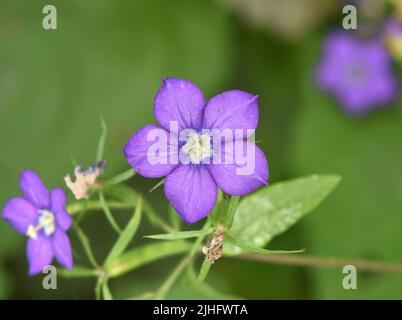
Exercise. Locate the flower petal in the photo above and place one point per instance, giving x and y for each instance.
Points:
(241, 169)
(151, 152)
(40, 253)
(58, 207)
(62, 249)
(192, 191)
(179, 100)
(20, 213)
(34, 190)
(233, 110)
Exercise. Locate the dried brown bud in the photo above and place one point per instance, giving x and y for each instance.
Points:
(84, 180)
(213, 249)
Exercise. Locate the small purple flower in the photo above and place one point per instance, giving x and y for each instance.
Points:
(393, 26)
(192, 184)
(358, 72)
(41, 215)
(393, 37)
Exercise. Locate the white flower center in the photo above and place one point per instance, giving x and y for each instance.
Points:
(46, 222)
(197, 147)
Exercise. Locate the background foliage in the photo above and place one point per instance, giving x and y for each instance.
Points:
(108, 58)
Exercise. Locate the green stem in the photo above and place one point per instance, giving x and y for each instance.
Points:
(178, 270)
(94, 205)
(107, 295)
(98, 289)
(208, 290)
(167, 285)
(324, 262)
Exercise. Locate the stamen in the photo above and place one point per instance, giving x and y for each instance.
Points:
(46, 223)
(32, 232)
(197, 147)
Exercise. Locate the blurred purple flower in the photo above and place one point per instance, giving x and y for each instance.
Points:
(393, 37)
(394, 27)
(41, 215)
(192, 187)
(357, 72)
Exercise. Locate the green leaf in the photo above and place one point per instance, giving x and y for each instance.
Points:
(181, 235)
(77, 272)
(250, 248)
(102, 140)
(122, 177)
(233, 203)
(157, 185)
(127, 234)
(145, 254)
(206, 265)
(107, 295)
(219, 212)
(272, 210)
(85, 244)
(108, 213)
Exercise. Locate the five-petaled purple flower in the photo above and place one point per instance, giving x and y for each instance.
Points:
(358, 72)
(41, 215)
(191, 186)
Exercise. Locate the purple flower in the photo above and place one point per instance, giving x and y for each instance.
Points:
(193, 128)
(393, 37)
(357, 72)
(41, 215)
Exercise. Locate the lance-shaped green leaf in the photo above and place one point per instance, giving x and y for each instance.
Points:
(157, 185)
(85, 244)
(181, 235)
(120, 178)
(272, 210)
(231, 210)
(145, 254)
(108, 213)
(249, 248)
(127, 234)
(78, 272)
(218, 214)
(102, 140)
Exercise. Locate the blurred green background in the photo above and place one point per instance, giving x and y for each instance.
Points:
(108, 58)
